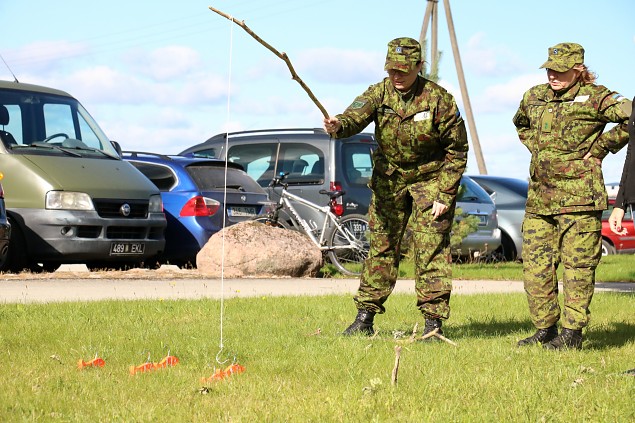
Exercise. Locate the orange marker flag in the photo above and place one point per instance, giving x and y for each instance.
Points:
(223, 374)
(95, 362)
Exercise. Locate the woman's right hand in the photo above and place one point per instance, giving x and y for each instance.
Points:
(332, 125)
(615, 221)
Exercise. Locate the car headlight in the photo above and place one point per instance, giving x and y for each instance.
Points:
(68, 200)
(156, 204)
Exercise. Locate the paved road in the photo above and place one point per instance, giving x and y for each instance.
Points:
(85, 286)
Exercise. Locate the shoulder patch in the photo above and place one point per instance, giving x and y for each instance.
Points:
(358, 104)
(618, 97)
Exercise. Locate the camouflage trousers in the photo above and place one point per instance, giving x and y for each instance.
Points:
(573, 239)
(393, 205)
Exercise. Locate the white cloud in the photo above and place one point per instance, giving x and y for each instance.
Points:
(43, 57)
(501, 97)
(486, 59)
(166, 63)
(333, 65)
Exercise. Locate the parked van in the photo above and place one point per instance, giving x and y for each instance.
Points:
(315, 162)
(70, 197)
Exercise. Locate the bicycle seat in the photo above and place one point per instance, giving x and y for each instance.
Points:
(332, 194)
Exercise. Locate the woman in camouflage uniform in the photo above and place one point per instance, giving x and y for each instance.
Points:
(562, 123)
(416, 175)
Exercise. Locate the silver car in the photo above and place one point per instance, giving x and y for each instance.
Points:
(510, 196)
(475, 201)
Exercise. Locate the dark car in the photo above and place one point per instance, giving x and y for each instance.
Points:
(316, 162)
(510, 196)
(613, 243)
(5, 230)
(198, 199)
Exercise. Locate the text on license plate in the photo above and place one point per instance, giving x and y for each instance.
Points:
(482, 219)
(242, 211)
(126, 248)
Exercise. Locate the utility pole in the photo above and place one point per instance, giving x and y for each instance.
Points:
(431, 16)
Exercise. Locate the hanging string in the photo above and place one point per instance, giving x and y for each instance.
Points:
(222, 274)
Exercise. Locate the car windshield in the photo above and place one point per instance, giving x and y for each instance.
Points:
(517, 186)
(46, 124)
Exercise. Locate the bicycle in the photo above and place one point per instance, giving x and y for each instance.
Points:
(341, 238)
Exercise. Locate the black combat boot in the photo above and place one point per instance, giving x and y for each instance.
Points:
(542, 336)
(363, 324)
(568, 339)
(432, 324)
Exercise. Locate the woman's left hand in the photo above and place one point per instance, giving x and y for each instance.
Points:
(438, 209)
(588, 156)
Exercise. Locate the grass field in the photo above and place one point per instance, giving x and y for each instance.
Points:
(299, 368)
(616, 268)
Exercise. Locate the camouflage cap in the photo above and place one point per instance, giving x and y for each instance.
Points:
(403, 54)
(564, 56)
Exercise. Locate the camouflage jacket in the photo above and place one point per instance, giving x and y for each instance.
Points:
(559, 130)
(422, 139)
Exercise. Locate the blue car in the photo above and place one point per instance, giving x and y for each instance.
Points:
(195, 203)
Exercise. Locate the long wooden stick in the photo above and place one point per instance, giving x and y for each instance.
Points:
(282, 55)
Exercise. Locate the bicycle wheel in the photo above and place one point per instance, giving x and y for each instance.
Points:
(348, 244)
(269, 221)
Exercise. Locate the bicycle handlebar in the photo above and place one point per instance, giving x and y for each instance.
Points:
(277, 180)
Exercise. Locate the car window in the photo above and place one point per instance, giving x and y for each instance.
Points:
(15, 122)
(211, 178)
(161, 176)
(471, 192)
(207, 153)
(303, 162)
(358, 164)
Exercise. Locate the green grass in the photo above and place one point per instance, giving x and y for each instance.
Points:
(298, 367)
(616, 268)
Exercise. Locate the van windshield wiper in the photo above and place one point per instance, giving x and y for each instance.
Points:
(96, 150)
(53, 147)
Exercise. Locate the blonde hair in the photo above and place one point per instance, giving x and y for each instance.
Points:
(586, 76)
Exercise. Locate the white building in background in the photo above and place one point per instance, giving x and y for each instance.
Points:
(611, 189)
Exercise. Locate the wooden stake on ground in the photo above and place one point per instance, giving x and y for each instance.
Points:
(395, 369)
(414, 332)
(436, 333)
(282, 56)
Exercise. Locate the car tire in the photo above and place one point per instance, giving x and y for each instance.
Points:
(507, 249)
(607, 248)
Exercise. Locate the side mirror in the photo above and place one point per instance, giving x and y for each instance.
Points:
(117, 147)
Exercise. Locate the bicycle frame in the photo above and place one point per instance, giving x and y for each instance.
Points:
(285, 201)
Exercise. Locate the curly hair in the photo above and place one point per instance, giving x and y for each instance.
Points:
(587, 76)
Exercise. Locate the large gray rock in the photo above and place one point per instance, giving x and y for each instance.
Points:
(256, 250)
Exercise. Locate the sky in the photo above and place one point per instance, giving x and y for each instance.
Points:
(161, 75)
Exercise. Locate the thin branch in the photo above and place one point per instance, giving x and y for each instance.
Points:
(282, 56)
(395, 369)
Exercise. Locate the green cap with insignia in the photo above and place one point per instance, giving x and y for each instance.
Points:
(564, 56)
(403, 54)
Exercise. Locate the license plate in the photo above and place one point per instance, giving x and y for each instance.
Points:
(242, 211)
(482, 218)
(127, 248)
